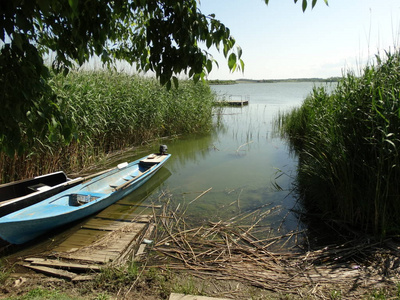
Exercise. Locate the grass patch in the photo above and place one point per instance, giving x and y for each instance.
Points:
(118, 277)
(40, 294)
(5, 271)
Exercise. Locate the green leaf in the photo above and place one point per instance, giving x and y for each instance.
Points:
(209, 42)
(239, 51)
(232, 61)
(209, 65)
(304, 5)
(313, 3)
(226, 50)
(242, 65)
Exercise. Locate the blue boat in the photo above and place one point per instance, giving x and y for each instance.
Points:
(80, 201)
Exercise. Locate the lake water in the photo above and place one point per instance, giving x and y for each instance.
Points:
(242, 166)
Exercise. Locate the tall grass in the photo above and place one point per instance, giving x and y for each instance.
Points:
(108, 111)
(348, 143)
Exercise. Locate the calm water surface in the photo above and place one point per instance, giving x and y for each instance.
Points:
(241, 162)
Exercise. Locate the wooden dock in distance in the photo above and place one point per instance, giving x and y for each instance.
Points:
(234, 100)
(102, 241)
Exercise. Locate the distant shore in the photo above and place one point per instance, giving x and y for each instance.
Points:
(225, 82)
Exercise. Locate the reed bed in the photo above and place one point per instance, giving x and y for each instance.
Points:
(107, 111)
(226, 250)
(348, 143)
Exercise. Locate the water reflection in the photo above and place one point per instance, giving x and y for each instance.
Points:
(243, 161)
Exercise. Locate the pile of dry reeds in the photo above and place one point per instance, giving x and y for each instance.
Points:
(228, 251)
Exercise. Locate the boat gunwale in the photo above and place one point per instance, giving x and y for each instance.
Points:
(10, 218)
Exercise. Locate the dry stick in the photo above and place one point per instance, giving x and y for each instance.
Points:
(170, 255)
(283, 245)
(176, 234)
(202, 194)
(219, 255)
(238, 204)
(170, 234)
(237, 150)
(281, 236)
(262, 217)
(227, 244)
(200, 228)
(191, 249)
(155, 231)
(233, 202)
(243, 216)
(207, 233)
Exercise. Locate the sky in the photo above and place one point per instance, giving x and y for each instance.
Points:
(279, 41)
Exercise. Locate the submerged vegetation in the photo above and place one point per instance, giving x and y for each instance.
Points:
(108, 111)
(348, 143)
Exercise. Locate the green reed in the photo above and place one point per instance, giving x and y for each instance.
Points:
(109, 111)
(348, 142)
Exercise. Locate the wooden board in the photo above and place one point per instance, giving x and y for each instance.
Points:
(62, 264)
(83, 278)
(101, 240)
(139, 205)
(153, 159)
(53, 272)
(109, 247)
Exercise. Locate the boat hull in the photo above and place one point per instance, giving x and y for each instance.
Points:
(31, 222)
(20, 194)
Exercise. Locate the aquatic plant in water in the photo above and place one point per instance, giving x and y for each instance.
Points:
(348, 143)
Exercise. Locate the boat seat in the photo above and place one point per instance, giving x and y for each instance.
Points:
(40, 187)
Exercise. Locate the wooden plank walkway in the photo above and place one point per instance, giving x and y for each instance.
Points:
(236, 102)
(107, 238)
(119, 238)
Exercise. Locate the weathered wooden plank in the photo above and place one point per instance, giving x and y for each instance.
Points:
(127, 215)
(91, 257)
(120, 239)
(130, 219)
(83, 278)
(126, 227)
(107, 224)
(62, 264)
(139, 205)
(53, 272)
(101, 227)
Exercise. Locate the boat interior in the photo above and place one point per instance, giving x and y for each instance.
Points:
(103, 186)
(27, 186)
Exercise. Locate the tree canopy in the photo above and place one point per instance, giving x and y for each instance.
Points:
(165, 37)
